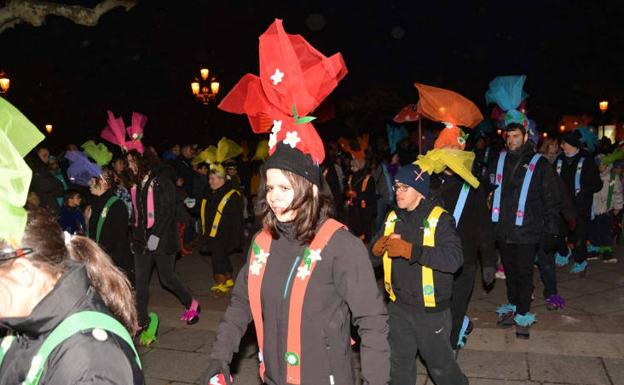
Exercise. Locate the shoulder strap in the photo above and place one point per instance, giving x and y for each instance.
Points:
(100, 224)
(389, 227)
(5, 345)
(499, 182)
(559, 166)
(461, 202)
(311, 256)
(524, 191)
(219, 213)
(75, 323)
(577, 175)
(258, 257)
(365, 182)
(428, 286)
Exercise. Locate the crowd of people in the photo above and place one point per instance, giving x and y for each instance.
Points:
(320, 223)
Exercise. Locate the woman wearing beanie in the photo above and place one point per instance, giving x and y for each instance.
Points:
(306, 277)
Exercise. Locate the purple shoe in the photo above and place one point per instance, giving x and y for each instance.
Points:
(191, 315)
(555, 302)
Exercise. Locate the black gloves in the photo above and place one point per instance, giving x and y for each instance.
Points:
(489, 275)
(550, 242)
(214, 368)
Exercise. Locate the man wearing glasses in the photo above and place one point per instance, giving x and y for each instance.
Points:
(420, 250)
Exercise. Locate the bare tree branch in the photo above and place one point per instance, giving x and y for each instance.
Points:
(34, 12)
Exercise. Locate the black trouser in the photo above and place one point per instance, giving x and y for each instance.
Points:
(221, 263)
(580, 235)
(548, 272)
(413, 332)
(463, 283)
(601, 231)
(518, 259)
(143, 265)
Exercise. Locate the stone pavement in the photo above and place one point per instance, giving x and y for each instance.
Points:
(583, 344)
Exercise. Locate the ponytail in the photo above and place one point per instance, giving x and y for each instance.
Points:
(109, 282)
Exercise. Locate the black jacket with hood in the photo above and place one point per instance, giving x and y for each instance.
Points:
(81, 359)
(342, 288)
(542, 207)
(590, 180)
(229, 235)
(115, 237)
(445, 258)
(165, 227)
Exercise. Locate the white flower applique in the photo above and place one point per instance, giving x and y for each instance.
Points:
(277, 127)
(292, 138)
(303, 272)
(255, 268)
(315, 255)
(277, 77)
(260, 259)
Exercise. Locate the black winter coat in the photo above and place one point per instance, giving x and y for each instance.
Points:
(115, 235)
(165, 227)
(590, 180)
(475, 227)
(541, 213)
(363, 207)
(342, 288)
(229, 235)
(81, 359)
(46, 186)
(444, 259)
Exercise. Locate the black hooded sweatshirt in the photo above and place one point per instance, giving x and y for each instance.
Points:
(81, 359)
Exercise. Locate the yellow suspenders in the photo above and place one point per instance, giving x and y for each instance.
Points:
(428, 240)
(217, 217)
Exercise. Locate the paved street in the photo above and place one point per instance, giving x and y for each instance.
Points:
(583, 344)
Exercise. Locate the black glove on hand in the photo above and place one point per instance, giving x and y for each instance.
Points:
(215, 367)
(550, 242)
(489, 275)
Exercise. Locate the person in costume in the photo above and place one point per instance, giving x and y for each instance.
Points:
(307, 277)
(67, 310)
(108, 223)
(607, 205)
(47, 187)
(525, 212)
(155, 238)
(582, 178)
(420, 251)
(53, 163)
(361, 196)
(221, 213)
(71, 218)
(459, 192)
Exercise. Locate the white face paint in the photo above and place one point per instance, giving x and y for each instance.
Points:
(279, 195)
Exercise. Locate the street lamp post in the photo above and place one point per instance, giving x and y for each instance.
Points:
(604, 106)
(205, 90)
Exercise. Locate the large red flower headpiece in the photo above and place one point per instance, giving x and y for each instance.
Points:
(294, 79)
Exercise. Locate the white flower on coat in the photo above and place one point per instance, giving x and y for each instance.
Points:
(292, 138)
(277, 77)
(255, 268)
(315, 255)
(433, 223)
(261, 257)
(303, 272)
(427, 232)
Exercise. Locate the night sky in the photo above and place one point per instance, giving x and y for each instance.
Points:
(143, 60)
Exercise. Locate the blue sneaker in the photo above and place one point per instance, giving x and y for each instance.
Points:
(465, 330)
(579, 268)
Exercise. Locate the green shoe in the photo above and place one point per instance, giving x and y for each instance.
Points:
(148, 335)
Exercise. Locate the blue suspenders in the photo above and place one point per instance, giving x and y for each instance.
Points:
(524, 192)
(499, 183)
(461, 202)
(577, 174)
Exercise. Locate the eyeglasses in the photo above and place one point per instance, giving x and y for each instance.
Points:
(400, 187)
(8, 253)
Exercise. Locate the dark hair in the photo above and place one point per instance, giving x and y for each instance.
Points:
(312, 210)
(67, 195)
(203, 165)
(515, 126)
(145, 163)
(44, 236)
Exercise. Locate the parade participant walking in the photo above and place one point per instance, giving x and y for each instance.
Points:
(108, 223)
(581, 177)
(525, 212)
(307, 277)
(221, 213)
(68, 311)
(420, 251)
(155, 238)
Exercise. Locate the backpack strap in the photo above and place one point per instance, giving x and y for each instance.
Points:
(100, 224)
(73, 324)
(311, 256)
